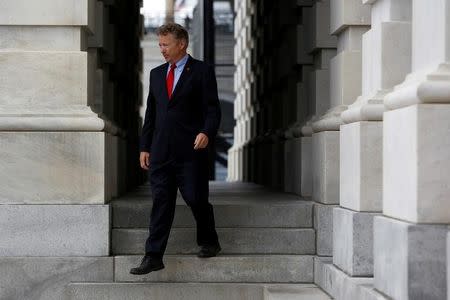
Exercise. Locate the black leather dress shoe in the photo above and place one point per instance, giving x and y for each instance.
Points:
(209, 250)
(148, 264)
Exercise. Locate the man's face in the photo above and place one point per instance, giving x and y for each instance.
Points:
(171, 48)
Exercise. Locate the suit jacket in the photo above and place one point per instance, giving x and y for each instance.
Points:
(171, 126)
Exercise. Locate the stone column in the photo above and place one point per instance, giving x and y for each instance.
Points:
(410, 253)
(298, 97)
(386, 56)
(243, 78)
(322, 46)
(348, 21)
(55, 149)
(57, 156)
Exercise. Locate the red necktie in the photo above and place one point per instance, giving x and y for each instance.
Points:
(170, 79)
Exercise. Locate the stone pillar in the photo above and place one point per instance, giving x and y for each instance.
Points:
(62, 157)
(348, 21)
(54, 154)
(410, 253)
(322, 46)
(298, 110)
(243, 78)
(386, 55)
(57, 156)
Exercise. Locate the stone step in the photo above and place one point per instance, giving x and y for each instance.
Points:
(229, 211)
(295, 292)
(193, 291)
(215, 188)
(338, 284)
(233, 241)
(163, 291)
(223, 268)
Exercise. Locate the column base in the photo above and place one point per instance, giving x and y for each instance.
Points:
(361, 172)
(325, 163)
(66, 167)
(416, 160)
(54, 230)
(353, 242)
(339, 285)
(306, 167)
(410, 259)
(323, 224)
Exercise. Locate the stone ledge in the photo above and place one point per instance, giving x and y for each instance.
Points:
(46, 12)
(232, 240)
(252, 268)
(45, 278)
(54, 167)
(54, 230)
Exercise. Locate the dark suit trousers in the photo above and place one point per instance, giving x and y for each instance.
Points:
(191, 178)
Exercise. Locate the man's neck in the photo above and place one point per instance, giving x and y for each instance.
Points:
(178, 58)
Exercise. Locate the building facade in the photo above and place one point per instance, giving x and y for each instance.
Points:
(342, 104)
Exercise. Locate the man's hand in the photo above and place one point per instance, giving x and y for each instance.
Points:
(201, 141)
(145, 160)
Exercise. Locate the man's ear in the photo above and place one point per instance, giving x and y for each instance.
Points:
(183, 44)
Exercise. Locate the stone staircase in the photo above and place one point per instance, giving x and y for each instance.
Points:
(268, 247)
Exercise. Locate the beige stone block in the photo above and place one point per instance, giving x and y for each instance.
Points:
(46, 79)
(46, 278)
(361, 168)
(52, 167)
(54, 230)
(42, 38)
(416, 163)
(48, 12)
(428, 19)
(409, 259)
(346, 13)
(391, 10)
(386, 56)
(325, 166)
(350, 39)
(345, 78)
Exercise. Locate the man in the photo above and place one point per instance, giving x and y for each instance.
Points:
(181, 120)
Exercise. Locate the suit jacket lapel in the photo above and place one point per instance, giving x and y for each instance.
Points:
(162, 77)
(187, 71)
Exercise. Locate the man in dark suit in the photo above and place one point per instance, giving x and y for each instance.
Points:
(181, 120)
